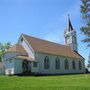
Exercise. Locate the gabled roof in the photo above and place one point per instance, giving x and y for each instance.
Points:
(44, 46)
(17, 48)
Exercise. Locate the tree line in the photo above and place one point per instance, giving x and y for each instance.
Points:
(85, 13)
(3, 48)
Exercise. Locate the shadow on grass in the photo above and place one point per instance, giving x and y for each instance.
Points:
(47, 75)
(49, 88)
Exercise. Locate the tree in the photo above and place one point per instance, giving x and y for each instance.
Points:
(89, 61)
(85, 12)
(3, 48)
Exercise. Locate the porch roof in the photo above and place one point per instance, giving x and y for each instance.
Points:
(17, 48)
(25, 57)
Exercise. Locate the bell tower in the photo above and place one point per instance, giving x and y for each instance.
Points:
(70, 36)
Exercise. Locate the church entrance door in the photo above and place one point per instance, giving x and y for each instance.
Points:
(26, 66)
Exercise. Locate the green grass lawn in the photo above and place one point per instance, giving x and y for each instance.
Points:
(64, 82)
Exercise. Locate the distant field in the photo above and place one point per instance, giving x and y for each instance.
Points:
(64, 82)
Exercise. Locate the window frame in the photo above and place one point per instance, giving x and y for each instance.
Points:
(35, 64)
(57, 63)
(73, 65)
(66, 64)
(68, 39)
(10, 60)
(80, 65)
(74, 39)
(46, 63)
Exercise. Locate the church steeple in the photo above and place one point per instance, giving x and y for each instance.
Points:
(70, 27)
(70, 36)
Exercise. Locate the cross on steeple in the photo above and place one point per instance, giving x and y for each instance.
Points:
(70, 27)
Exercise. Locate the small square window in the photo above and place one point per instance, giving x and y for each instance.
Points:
(35, 64)
(21, 39)
(10, 61)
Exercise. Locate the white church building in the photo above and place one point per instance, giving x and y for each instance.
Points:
(36, 56)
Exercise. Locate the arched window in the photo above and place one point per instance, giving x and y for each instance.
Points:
(67, 39)
(25, 65)
(46, 63)
(66, 64)
(73, 65)
(57, 63)
(79, 63)
(74, 39)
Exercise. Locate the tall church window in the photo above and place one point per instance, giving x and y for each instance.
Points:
(73, 65)
(57, 63)
(46, 63)
(79, 65)
(66, 64)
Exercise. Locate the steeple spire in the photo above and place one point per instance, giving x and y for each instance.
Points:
(70, 27)
(71, 37)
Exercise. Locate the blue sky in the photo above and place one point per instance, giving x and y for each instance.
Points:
(45, 19)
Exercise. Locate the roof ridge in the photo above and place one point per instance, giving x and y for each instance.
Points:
(45, 40)
(44, 46)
